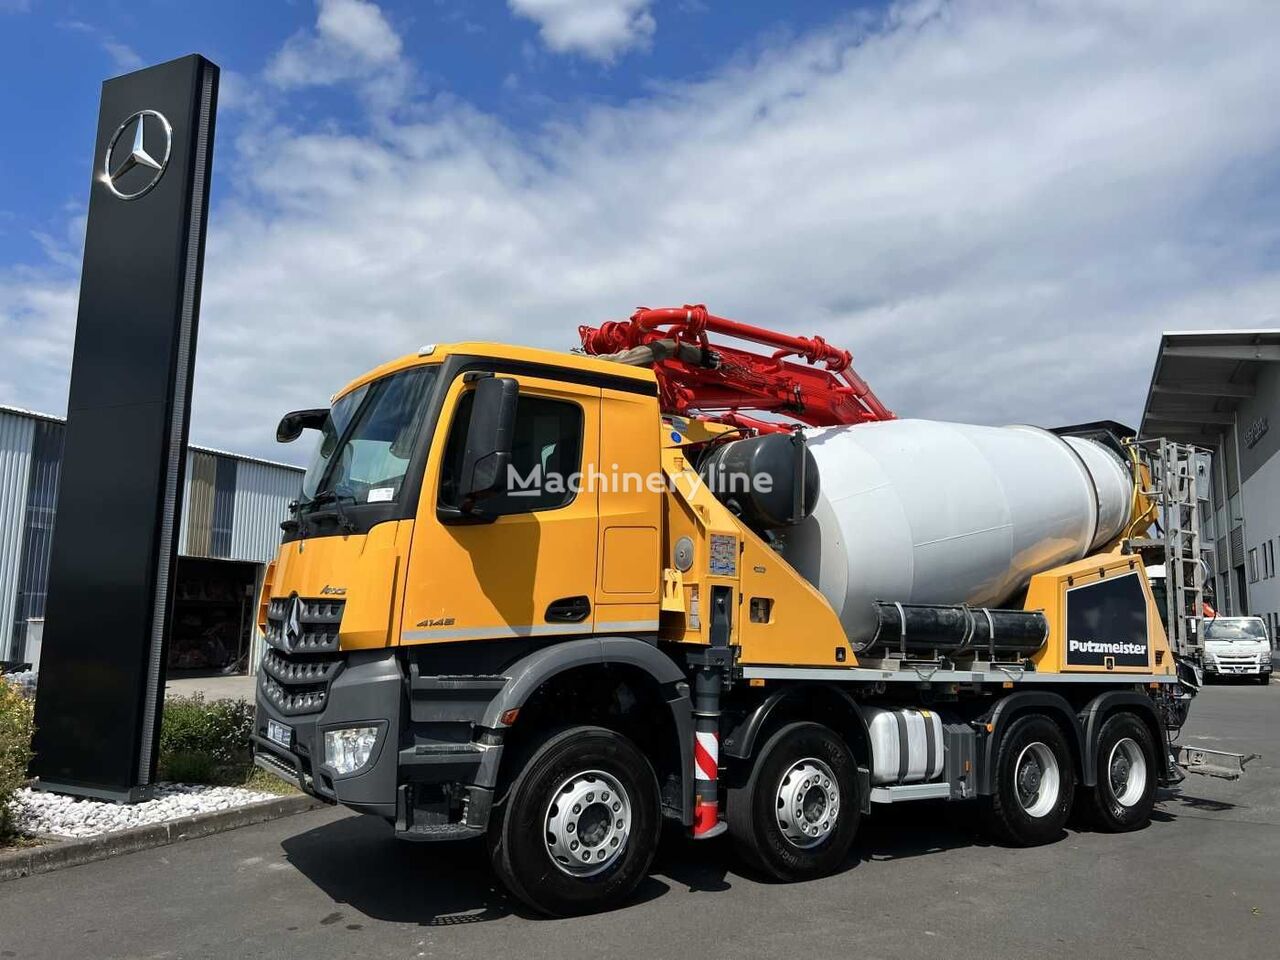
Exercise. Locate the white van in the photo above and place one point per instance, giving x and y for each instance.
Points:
(1237, 646)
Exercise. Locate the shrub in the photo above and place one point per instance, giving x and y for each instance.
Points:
(16, 727)
(206, 741)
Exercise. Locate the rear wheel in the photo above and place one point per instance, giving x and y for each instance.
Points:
(1125, 772)
(1034, 783)
(797, 814)
(580, 825)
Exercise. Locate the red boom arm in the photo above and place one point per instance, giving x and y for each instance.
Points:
(823, 392)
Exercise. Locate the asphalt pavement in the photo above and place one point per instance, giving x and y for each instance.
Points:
(1202, 881)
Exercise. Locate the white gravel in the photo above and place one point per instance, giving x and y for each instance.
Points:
(60, 816)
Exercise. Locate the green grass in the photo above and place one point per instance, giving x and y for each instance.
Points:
(265, 782)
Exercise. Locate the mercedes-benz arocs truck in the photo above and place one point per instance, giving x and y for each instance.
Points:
(554, 600)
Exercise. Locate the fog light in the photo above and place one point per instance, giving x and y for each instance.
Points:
(349, 749)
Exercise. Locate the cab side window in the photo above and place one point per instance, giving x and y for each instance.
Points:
(546, 456)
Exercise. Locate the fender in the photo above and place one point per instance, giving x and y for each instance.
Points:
(526, 675)
(741, 741)
(1100, 708)
(1005, 712)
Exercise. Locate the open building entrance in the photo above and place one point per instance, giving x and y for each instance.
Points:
(212, 616)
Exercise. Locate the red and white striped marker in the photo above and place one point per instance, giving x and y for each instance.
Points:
(706, 770)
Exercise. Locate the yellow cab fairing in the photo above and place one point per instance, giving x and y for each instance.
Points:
(800, 629)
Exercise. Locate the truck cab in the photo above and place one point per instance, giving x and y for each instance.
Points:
(1237, 647)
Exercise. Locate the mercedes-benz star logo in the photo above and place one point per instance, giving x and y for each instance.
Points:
(131, 172)
(293, 622)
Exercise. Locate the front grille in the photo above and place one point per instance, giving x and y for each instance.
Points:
(302, 655)
(313, 630)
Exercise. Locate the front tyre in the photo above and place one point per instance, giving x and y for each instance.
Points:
(579, 827)
(1125, 771)
(796, 816)
(1034, 783)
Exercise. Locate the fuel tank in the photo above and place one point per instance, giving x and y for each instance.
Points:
(922, 511)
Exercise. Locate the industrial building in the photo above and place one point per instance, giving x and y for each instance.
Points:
(1219, 389)
(231, 516)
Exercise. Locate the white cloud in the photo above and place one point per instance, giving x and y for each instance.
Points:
(996, 208)
(122, 55)
(598, 29)
(352, 40)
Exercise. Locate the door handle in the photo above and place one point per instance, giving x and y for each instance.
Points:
(568, 610)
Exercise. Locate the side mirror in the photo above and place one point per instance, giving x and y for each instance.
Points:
(292, 424)
(489, 436)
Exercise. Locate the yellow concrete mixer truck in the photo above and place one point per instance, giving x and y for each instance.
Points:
(554, 599)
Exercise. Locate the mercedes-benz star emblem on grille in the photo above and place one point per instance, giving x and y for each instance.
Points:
(137, 155)
(293, 623)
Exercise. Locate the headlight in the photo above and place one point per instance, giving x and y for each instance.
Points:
(1266, 656)
(349, 749)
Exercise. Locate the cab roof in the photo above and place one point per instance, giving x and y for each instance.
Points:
(437, 353)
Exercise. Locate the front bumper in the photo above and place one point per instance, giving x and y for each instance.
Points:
(1237, 667)
(426, 773)
(367, 691)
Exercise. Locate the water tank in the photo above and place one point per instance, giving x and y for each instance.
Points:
(922, 511)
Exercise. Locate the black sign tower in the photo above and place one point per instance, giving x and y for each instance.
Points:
(115, 538)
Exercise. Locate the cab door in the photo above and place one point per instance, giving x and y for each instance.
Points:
(528, 569)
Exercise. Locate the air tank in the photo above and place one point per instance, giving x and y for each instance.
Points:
(922, 511)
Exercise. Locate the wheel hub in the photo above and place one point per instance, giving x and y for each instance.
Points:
(1127, 771)
(808, 802)
(587, 823)
(1037, 779)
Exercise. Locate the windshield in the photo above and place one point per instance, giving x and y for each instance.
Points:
(1231, 629)
(367, 439)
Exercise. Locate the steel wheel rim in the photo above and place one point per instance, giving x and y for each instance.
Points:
(807, 803)
(1127, 772)
(1037, 780)
(587, 823)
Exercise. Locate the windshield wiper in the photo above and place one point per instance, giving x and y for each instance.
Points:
(327, 497)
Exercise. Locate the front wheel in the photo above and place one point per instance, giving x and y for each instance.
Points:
(1125, 771)
(796, 816)
(580, 825)
(1034, 783)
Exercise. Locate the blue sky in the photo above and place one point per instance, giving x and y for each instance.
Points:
(996, 205)
(55, 54)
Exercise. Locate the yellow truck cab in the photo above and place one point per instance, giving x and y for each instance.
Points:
(512, 602)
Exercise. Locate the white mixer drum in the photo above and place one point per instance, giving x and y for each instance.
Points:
(922, 511)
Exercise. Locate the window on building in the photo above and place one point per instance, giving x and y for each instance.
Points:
(1253, 564)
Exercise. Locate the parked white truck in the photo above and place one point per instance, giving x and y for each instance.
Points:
(1236, 647)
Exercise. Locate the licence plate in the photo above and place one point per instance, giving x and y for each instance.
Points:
(279, 733)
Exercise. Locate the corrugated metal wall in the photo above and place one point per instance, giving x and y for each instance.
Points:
(16, 434)
(263, 493)
(37, 535)
(202, 473)
(224, 508)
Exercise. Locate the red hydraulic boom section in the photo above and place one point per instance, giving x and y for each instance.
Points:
(698, 378)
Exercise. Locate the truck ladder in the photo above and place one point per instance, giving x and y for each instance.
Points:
(1175, 469)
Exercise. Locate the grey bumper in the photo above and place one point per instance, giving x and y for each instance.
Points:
(368, 691)
(425, 774)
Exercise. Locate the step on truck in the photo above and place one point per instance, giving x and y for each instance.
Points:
(555, 600)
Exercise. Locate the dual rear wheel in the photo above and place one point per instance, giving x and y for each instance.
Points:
(1035, 780)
